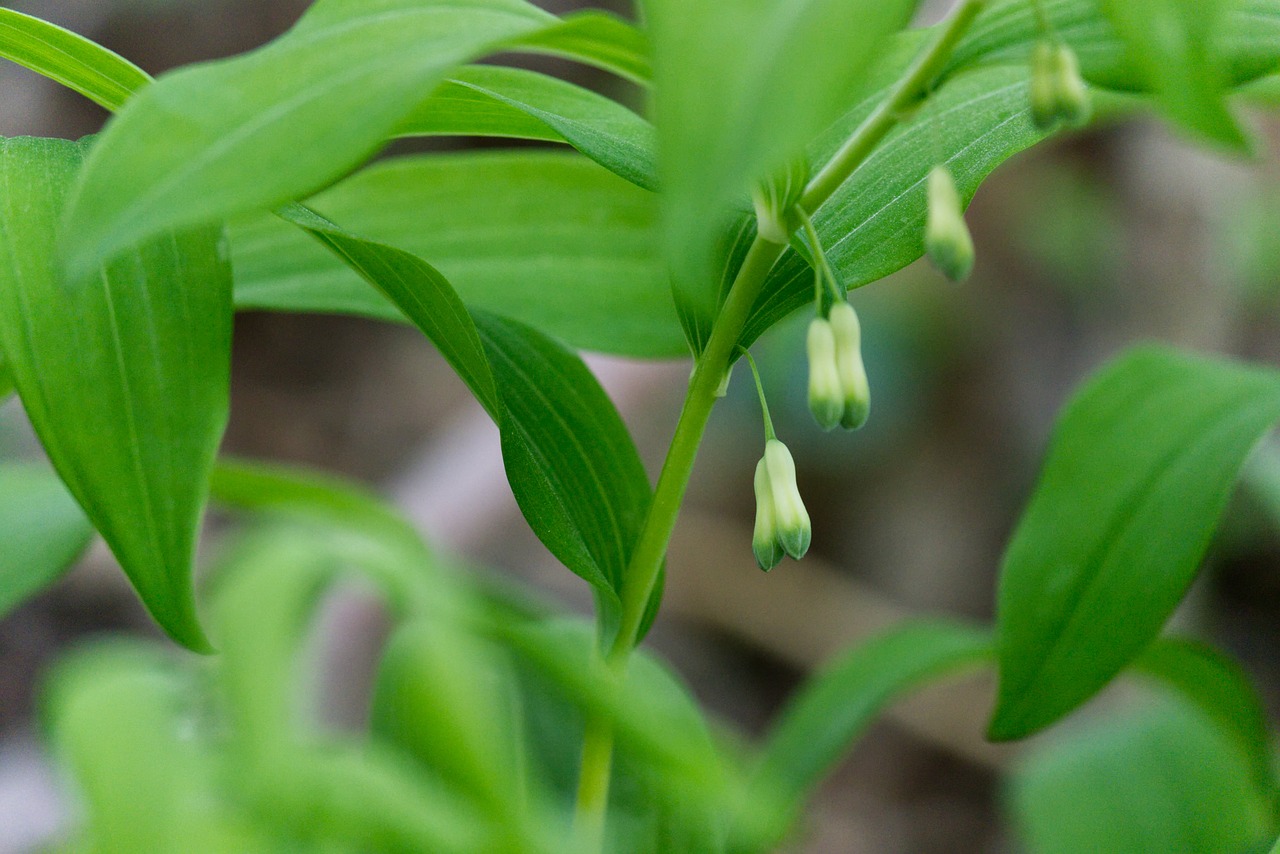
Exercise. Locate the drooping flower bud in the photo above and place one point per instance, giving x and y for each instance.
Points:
(856, 391)
(1044, 86)
(946, 238)
(764, 542)
(1074, 104)
(776, 199)
(826, 399)
(791, 520)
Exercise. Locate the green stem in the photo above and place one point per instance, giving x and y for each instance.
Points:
(769, 434)
(708, 373)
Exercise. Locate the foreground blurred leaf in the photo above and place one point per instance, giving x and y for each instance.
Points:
(572, 465)
(1221, 690)
(6, 381)
(42, 531)
(740, 89)
(1160, 779)
(490, 100)
(819, 725)
(258, 130)
(1175, 44)
(124, 375)
(1140, 466)
(70, 59)
(546, 238)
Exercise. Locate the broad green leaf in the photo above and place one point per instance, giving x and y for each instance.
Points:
(124, 374)
(490, 100)
(740, 89)
(546, 238)
(572, 466)
(256, 131)
(6, 381)
(70, 59)
(819, 726)
(597, 38)
(42, 532)
(1175, 44)
(1219, 687)
(1159, 779)
(1139, 468)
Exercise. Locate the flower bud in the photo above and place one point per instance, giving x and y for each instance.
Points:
(856, 391)
(1044, 86)
(764, 542)
(775, 202)
(946, 237)
(826, 399)
(1072, 95)
(791, 520)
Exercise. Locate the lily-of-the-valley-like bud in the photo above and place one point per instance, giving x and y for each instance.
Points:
(826, 396)
(1059, 94)
(775, 202)
(792, 520)
(1044, 86)
(946, 239)
(855, 390)
(764, 542)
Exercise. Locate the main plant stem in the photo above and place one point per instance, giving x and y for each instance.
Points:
(708, 373)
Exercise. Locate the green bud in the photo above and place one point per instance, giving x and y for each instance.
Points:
(776, 200)
(764, 542)
(856, 391)
(791, 520)
(946, 237)
(1074, 104)
(1044, 86)
(826, 399)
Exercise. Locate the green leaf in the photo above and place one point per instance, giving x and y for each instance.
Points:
(819, 725)
(1161, 779)
(42, 531)
(1218, 686)
(69, 59)
(242, 134)
(597, 38)
(572, 465)
(6, 381)
(1174, 42)
(546, 238)
(490, 100)
(740, 89)
(124, 375)
(1140, 466)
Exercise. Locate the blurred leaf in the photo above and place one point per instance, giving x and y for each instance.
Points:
(242, 134)
(42, 529)
(598, 38)
(819, 726)
(573, 468)
(1174, 43)
(1219, 687)
(1140, 466)
(1160, 779)
(6, 381)
(546, 238)
(490, 100)
(72, 60)
(124, 375)
(740, 89)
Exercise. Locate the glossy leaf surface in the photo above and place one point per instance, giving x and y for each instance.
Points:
(596, 38)
(245, 133)
(1139, 468)
(124, 375)
(72, 60)
(42, 528)
(546, 238)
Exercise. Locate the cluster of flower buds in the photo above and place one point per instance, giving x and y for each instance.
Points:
(1058, 92)
(776, 202)
(782, 523)
(946, 237)
(839, 393)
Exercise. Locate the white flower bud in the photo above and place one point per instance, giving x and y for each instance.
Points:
(856, 391)
(791, 519)
(946, 237)
(764, 542)
(826, 400)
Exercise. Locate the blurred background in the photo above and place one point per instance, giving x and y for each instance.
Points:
(1085, 245)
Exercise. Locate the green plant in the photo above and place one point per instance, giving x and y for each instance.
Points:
(497, 725)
